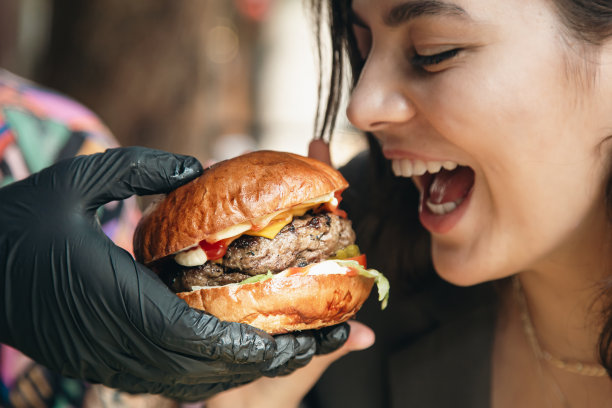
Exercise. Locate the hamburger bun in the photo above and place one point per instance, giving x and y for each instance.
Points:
(285, 304)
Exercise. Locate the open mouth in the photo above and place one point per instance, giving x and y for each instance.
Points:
(443, 185)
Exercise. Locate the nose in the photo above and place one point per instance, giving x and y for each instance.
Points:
(379, 99)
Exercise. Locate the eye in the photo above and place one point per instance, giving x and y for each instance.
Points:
(363, 38)
(362, 35)
(432, 62)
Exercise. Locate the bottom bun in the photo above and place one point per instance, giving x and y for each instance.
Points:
(285, 304)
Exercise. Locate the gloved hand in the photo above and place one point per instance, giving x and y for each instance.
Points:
(72, 300)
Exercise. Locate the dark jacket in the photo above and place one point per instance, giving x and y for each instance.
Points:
(434, 340)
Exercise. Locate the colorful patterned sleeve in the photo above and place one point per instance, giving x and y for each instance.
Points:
(39, 127)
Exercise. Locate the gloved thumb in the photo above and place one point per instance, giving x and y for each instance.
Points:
(120, 173)
(360, 338)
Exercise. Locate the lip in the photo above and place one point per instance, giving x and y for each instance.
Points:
(440, 224)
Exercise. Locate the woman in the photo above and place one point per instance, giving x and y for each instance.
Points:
(501, 112)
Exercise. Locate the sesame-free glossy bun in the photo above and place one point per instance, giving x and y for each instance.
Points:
(285, 304)
(229, 193)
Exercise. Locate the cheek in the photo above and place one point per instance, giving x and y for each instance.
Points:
(481, 105)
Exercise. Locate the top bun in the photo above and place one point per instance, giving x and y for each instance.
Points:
(229, 193)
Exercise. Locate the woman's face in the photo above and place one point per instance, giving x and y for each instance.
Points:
(507, 116)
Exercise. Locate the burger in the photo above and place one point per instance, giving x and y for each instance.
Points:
(259, 239)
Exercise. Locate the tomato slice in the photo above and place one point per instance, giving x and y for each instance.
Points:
(296, 271)
(361, 260)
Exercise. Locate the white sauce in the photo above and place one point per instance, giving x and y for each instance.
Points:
(193, 256)
(327, 268)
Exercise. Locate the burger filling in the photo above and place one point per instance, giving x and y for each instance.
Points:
(307, 239)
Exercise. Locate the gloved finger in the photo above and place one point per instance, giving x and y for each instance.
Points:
(119, 173)
(331, 338)
(286, 346)
(143, 328)
(306, 349)
(135, 375)
(177, 328)
(293, 351)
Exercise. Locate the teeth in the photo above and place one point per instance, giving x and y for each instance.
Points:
(396, 165)
(449, 165)
(443, 208)
(433, 167)
(409, 168)
(419, 168)
(406, 168)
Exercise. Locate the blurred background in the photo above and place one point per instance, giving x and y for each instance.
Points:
(211, 78)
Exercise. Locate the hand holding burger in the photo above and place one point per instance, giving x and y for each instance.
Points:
(75, 302)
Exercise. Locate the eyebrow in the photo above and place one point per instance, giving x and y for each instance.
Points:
(412, 9)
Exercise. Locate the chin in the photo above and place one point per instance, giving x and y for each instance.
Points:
(463, 270)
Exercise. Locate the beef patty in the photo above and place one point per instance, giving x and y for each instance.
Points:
(307, 239)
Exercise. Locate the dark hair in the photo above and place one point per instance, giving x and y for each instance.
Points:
(587, 20)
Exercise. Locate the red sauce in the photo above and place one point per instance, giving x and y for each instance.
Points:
(216, 250)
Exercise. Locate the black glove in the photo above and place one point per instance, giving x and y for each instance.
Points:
(72, 300)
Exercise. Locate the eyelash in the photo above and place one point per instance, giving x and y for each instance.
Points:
(417, 60)
(427, 60)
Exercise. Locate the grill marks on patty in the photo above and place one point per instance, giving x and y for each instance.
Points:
(307, 239)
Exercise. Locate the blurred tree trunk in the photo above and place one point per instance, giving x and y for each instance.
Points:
(166, 74)
(8, 34)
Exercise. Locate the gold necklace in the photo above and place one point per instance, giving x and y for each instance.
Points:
(574, 367)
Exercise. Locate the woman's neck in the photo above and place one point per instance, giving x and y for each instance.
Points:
(564, 298)
(521, 378)
(566, 304)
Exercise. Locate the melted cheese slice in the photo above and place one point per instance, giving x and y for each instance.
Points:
(278, 222)
(271, 230)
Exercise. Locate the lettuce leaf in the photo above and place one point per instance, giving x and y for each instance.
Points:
(382, 283)
(258, 278)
